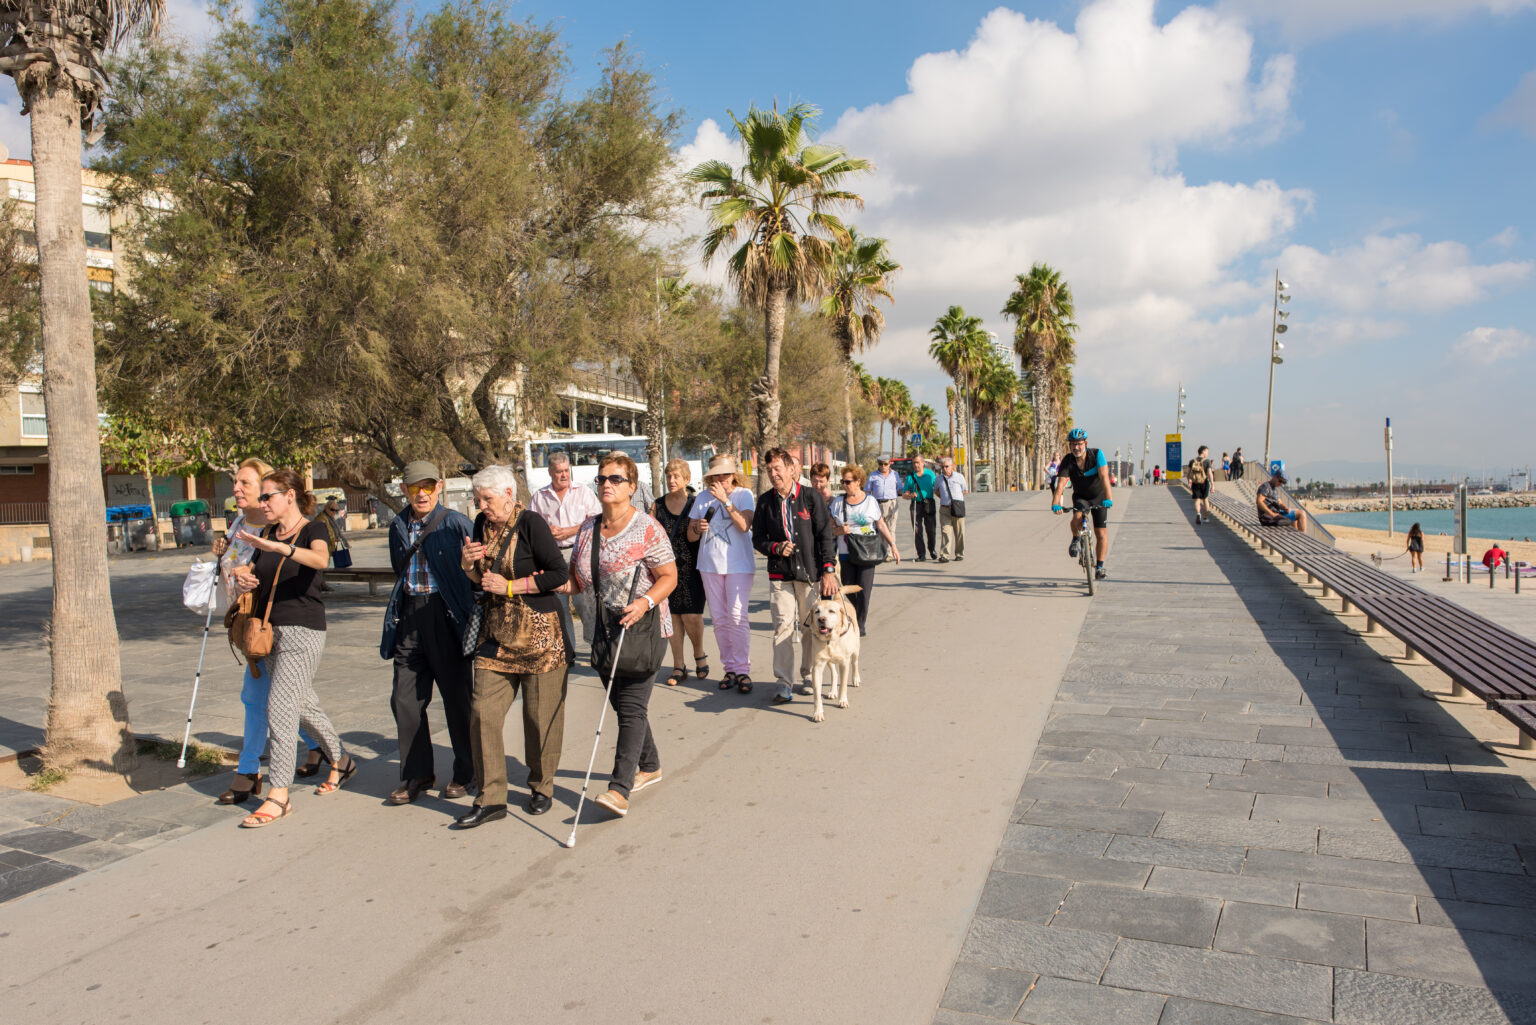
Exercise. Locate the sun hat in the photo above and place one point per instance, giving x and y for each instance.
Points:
(418, 471)
(721, 464)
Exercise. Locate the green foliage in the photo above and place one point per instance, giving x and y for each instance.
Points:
(48, 776)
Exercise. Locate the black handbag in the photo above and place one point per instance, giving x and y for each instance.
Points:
(866, 549)
(956, 505)
(644, 647)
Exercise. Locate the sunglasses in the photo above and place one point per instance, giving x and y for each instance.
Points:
(613, 478)
(848, 480)
(267, 496)
(416, 489)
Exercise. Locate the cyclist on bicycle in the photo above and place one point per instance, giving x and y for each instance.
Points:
(1088, 471)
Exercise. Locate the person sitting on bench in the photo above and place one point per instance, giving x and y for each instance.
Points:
(1272, 511)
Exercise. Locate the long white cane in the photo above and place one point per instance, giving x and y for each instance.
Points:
(181, 761)
(571, 842)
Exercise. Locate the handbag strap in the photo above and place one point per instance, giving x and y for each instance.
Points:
(266, 617)
(597, 598)
(508, 536)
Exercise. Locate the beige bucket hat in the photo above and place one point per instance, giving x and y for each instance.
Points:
(719, 464)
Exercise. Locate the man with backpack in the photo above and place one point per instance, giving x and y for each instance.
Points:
(1199, 476)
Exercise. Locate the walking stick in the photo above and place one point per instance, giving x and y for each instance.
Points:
(571, 842)
(213, 599)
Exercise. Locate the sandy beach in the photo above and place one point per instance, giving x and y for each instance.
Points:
(1362, 541)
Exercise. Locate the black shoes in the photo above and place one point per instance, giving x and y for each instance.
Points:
(1099, 574)
(943, 559)
(481, 814)
(538, 804)
(1074, 547)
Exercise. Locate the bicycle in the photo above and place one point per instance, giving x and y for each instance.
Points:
(1086, 553)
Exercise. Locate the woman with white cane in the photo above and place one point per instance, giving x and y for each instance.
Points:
(624, 557)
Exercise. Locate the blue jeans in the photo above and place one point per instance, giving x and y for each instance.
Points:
(253, 694)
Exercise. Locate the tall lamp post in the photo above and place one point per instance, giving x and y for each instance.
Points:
(1276, 329)
(1146, 446)
(1178, 421)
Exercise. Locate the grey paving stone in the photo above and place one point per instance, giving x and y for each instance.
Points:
(1048, 840)
(1154, 851)
(20, 881)
(1350, 900)
(22, 804)
(1268, 784)
(1460, 914)
(1379, 875)
(1393, 797)
(1371, 998)
(1052, 753)
(42, 840)
(1460, 956)
(1483, 824)
(1079, 816)
(1097, 738)
(1228, 832)
(1326, 811)
(944, 1016)
(1498, 803)
(1079, 769)
(10, 859)
(1076, 791)
(1260, 983)
(1333, 736)
(1202, 763)
(1139, 759)
(1302, 771)
(162, 837)
(1041, 949)
(1065, 1002)
(1072, 867)
(1092, 723)
(93, 855)
(1140, 914)
(1231, 803)
(1226, 886)
(1219, 748)
(1411, 848)
(1143, 712)
(1180, 1011)
(1494, 888)
(1311, 936)
(1027, 898)
(1472, 782)
(1237, 731)
(984, 990)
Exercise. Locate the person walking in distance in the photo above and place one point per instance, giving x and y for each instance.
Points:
(857, 512)
(1199, 474)
(951, 491)
(1087, 471)
(793, 530)
(720, 523)
(1237, 463)
(1415, 549)
(920, 487)
(565, 509)
(884, 486)
(1226, 466)
(423, 633)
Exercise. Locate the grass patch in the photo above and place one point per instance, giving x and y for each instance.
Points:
(47, 777)
(200, 760)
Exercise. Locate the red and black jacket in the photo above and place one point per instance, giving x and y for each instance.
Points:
(802, 516)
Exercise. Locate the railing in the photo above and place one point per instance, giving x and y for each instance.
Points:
(23, 512)
(601, 383)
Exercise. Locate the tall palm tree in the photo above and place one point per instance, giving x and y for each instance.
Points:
(996, 385)
(924, 422)
(860, 276)
(895, 403)
(961, 348)
(54, 50)
(1042, 307)
(779, 207)
(949, 405)
(877, 398)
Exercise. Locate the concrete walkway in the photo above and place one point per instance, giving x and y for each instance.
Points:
(782, 871)
(1239, 813)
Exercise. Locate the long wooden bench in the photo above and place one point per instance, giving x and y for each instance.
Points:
(370, 575)
(1484, 661)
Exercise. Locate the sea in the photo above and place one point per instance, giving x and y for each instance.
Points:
(1503, 524)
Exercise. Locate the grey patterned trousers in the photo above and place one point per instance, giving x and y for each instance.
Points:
(296, 652)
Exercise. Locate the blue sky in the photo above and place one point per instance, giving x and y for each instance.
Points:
(1167, 157)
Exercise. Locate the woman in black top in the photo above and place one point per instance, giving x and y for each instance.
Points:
(1415, 549)
(287, 574)
(686, 600)
(521, 645)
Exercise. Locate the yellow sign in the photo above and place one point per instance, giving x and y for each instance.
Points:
(960, 456)
(1174, 468)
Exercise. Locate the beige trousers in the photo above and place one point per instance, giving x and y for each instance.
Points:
(787, 602)
(951, 534)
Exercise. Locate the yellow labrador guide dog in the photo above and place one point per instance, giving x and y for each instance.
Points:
(834, 632)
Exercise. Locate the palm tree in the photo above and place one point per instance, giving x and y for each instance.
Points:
(54, 52)
(859, 277)
(779, 206)
(961, 348)
(1043, 309)
(895, 405)
(949, 406)
(996, 385)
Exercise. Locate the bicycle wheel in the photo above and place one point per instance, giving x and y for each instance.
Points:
(1087, 556)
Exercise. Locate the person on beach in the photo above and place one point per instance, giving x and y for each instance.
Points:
(1199, 474)
(720, 524)
(1273, 512)
(1415, 549)
(673, 511)
(1494, 557)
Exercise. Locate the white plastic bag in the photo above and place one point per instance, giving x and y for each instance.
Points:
(199, 590)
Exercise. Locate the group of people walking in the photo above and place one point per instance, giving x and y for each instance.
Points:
(481, 609)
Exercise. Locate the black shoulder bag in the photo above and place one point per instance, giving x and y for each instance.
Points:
(644, 647)
(956, 505)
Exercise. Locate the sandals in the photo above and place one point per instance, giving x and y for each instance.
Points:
(238, 796)
(744, 683)
(346, 773)
(259, 818)
(728, 681)
(312, 763)
(677, 677)
(701, 666)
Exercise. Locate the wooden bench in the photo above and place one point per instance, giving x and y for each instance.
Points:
(1485, 662)
(370, 575)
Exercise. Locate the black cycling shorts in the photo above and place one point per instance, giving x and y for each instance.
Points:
(1200, 490)
(1100, 515)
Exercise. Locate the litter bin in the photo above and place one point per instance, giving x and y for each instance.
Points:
(137, 527)
(191, 523)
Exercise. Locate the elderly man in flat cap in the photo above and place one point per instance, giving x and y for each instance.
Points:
(424, 632)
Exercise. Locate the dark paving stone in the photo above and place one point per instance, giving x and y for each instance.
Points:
(1260, 983)
(1140, 914)
(1349, 872)
(1027, 898)
(1371, 998)
(1494, 888)
(94, 854)
(10, 859)
(1065, 1002)
(42, 840)
(1458, 956)
(1107, 820)
(979, 989)
(1226, 886)
(1079, 791)
(1226, 832)
(1219, 748)
(1269, 785)
(1154, 851)
(1482, 824)
(1048, 840)
(20, 881)
(1460, 914)
(1410, 848)
(1162, 777)
(1041, 949)
(1333, 736)
(1202, 763)
(1310, 936)
(1072, 867)
(1233, 803)
(1180, 1011)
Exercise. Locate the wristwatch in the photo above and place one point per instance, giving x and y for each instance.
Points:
(648, 602)
(291, 549)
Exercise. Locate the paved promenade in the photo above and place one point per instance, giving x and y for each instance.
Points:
(1238, 813)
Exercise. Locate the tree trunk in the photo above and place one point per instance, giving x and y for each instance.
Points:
(651, 417)
(848, 410)
(880, 440)
(87, 713)
(154, 513)
(1037, 370)
(766, 390)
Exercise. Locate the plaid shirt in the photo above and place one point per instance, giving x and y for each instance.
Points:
(418, 575)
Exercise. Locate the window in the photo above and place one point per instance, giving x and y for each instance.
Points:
(34, 418)
(98, 227)
(17, 471)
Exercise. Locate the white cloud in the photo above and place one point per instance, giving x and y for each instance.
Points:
(1487, 345)
(1506, 239)
(1395, 274)
(1314, 19)
(1519, 109)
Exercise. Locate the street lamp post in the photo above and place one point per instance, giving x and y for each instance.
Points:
(1146, 446)
(1276, 329)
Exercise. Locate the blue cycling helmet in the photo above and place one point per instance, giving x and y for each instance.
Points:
(1077, 434)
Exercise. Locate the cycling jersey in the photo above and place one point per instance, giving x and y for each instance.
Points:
(1086, 484)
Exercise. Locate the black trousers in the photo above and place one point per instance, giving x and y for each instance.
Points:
(427, 651)
(636, 749)
(864, 577)
(925, 517)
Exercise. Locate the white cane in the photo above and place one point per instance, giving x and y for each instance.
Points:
(571, 842)
(181, 761)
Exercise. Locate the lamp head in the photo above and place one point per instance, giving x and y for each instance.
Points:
(1280, 329)
(1281, 286)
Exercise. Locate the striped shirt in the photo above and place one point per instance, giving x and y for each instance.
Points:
(418, 574)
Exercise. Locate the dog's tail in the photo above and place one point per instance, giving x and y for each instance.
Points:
(852, 589)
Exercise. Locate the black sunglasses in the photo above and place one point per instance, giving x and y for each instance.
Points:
(269, 495)
(612, 478)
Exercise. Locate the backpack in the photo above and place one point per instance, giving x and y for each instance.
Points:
(1198, 471)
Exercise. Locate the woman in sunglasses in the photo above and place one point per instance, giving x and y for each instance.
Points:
(634, 558)
(856, 511)
(291, 556)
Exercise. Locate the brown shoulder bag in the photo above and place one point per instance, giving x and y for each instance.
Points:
(253, 636)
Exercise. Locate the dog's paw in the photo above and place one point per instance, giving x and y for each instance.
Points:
(843, 703)
(818, 716)
(857, 683)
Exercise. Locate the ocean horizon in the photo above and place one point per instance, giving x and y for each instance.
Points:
(1512, 524)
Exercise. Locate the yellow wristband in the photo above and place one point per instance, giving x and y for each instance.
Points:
(509, 588)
